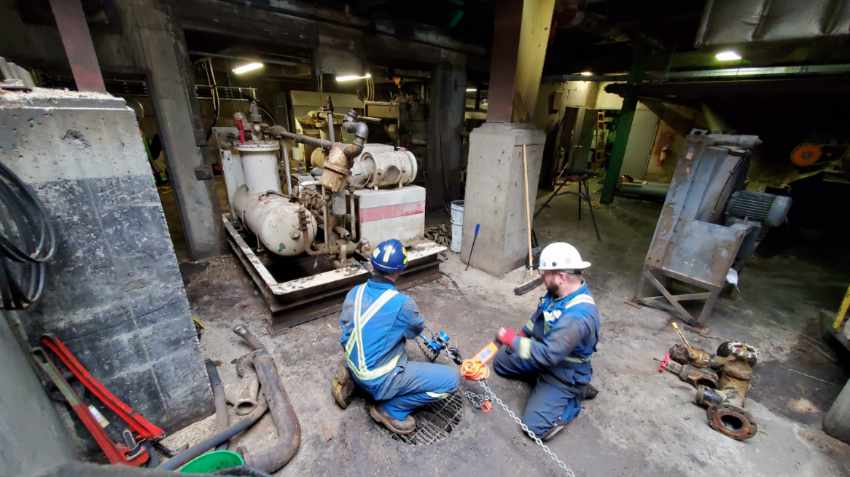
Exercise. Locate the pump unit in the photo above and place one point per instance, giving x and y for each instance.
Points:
(306, 239)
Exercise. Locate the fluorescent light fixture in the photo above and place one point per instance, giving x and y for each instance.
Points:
(471, 90)
(727, 55)
(586, 73)
(344, 78)
(247, 67)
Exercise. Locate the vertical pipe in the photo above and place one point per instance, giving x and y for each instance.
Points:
(286, 168)
(353, 230)
(326, 229)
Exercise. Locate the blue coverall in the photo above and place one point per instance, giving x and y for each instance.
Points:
(554, 356)
(378, 360)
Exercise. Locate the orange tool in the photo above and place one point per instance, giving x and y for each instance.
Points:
(475, 368)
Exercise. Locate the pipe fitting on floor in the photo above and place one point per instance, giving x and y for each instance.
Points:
(248, 394)
(283, 450)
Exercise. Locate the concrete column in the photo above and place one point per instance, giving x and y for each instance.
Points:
(495, 183)
(160, 47)
(445, 125)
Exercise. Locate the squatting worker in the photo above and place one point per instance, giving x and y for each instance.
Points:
(552, 351)
(376, 320)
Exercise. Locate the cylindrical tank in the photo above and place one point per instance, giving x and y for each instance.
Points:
(285, 228)
(259, 162)
(382, 165)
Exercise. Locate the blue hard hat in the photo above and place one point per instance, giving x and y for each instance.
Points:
(389, 256)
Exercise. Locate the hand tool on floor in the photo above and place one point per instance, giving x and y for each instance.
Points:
(532, 279)
(681, 335)
(142, 429)
(116, 453)
(472, 247)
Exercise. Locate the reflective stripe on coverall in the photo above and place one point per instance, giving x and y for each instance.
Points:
(554, 357)
(376, 321)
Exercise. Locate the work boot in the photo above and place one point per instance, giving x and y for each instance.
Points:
(405, 427)
(342, 386)
(558, 427)
(588, 392)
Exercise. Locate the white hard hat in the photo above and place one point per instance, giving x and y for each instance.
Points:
(561, 256)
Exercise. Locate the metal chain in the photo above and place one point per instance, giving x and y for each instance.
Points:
(489, 393)
(477, 399)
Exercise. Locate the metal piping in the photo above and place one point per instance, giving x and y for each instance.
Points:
(286, 168)
(280, 453)
(246, 399)
(216, 439)
(360, 131)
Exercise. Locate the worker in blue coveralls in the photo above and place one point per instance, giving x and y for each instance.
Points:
(376, 321)
(552, 351)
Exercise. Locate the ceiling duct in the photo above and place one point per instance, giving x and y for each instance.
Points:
(744, 21)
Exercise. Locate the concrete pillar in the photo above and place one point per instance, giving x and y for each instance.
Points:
(445, 125)
(495, 183)
(160, 46)
(113, 291)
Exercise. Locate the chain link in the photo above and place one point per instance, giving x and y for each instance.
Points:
(489, 394)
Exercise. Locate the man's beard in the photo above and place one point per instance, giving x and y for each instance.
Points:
(553, 288)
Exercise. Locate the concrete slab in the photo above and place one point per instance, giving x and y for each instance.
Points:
(642, 422)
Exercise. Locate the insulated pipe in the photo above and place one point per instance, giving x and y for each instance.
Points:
(216, 439)
(281, 452)
(222, 419)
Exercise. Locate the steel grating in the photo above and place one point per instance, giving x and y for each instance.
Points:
(434, 422)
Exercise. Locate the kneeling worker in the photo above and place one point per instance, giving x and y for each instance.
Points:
(552, 351)
(376, 320)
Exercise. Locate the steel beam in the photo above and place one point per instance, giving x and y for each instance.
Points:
(624, 128)
(77, 41)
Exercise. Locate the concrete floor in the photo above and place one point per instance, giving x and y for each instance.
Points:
(642, 422)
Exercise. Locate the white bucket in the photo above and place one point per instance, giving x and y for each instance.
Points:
(457, 225)
(457, 212)
(457, 236)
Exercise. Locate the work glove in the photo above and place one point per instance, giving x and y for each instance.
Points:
(506, 336)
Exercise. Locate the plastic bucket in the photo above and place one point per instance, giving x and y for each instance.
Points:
(457, 236)
(457, 212)
(457, 225)
(212, 461)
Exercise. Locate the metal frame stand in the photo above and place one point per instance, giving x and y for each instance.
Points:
(673, 302)
(583, 194)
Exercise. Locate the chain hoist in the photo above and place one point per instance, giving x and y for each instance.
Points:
(475, 369)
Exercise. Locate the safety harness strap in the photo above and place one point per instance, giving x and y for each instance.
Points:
(360, 369)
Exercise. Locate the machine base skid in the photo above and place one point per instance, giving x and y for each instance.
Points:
(296, 294)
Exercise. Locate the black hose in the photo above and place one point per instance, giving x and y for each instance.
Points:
(243, 470)
(216, 439)
(27, 241)
(222, 419)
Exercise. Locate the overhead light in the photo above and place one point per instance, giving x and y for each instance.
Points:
(344, 78)
(247, 67)
(727, 55)
(471, 90)
(586, 73)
